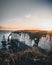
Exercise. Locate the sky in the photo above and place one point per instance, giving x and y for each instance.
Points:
(26, 14)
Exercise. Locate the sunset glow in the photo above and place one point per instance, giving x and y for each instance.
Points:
(26, 15)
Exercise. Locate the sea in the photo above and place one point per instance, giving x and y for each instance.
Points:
(6, 33)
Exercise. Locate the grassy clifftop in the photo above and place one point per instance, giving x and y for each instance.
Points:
(27, 57)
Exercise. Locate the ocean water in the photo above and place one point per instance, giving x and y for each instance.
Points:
(1, 36)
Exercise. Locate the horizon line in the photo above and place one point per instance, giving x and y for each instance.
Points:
(22, 28)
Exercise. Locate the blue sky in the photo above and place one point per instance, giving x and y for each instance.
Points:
(26, 14)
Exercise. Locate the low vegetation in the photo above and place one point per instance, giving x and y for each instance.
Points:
(27, 57)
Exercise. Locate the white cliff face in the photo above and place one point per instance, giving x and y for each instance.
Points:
(22, 37)
(27, 40)
(18, 36)
(42, 42)
(45, 42)
(7, 34)
(14, 36)
(33, 42)
(51, 42)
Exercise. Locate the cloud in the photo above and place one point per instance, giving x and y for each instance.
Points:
(28, 15)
